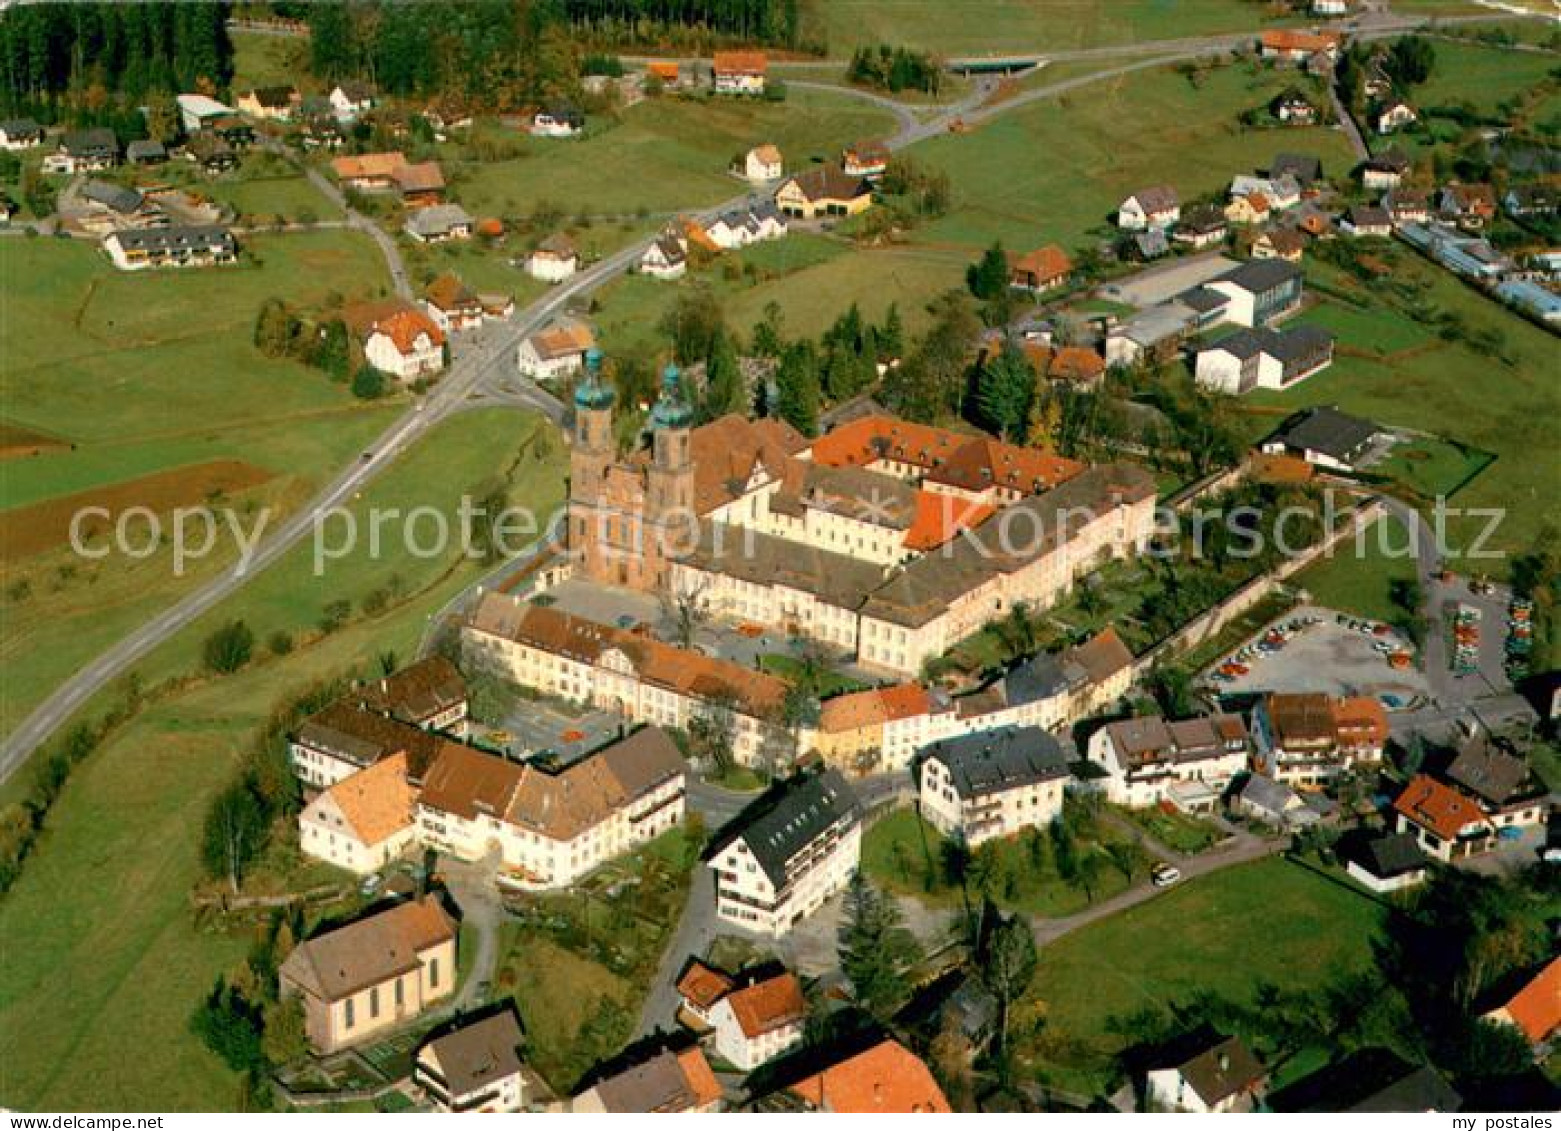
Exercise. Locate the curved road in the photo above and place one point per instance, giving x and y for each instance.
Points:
(471, 371)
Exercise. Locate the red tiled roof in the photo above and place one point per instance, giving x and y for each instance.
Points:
(1288, 39)
(740, 63)
(885, 1079)
(1440, 808)
(1536, 1008)
(702, 985)
(370, 165)
(951, 458)
(1076, 363)
(768, 1005)
(940, 516)
(1049, 262)
(701, 1080)
(397, 319)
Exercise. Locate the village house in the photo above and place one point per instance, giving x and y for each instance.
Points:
(778, 863)
(559, 118)
(1293, 108)
(1203, 226)
(1291, 45)
(1147, 758)
(554, 259)
(638, 677)
(556, 352)
(869, 159)
(878, 729)
(1078, 367)
(369, 977)
(430, 693)
(760, 164)
(270, 103)
(351, 100)
(1367, 221)
(422, 186)
(1506, 789)
(827, 190)
(1279, 243)
(343, 738)
(1325, 437)
(320, 130)
(1309, 739)
(739, 72)
(668, 1083)
(398, 338)
(1469, 206)
(1407, 205)
(1536, 199)
(1447, 824)
(84, 151)
(20, 133)
(195, 245)
(1204, 1073)
(699, 988)
(1274, 803)
(1281, 190)
(665, 71)
(1392, 116)
(211, 154)
(1040, 270)
(107, 207)
(884, 1079)
(1154, 207)
(1368, 1081)
(1261, 292)
(1535, 1010)
(1304, 169)
(369, 172)
(666, 257)
(146, 151)
(1387, 863)
(992, 784)
(446, 114)
(758, 1022)
(452, 305)
(439, 224)
(477, 1067)
(464, 797)
(1148, 245)
(1250, 208)
(1384, 170)
(1263, 359)
(364, 821)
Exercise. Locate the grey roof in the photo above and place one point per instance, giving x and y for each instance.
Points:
(1267, 794)
(120, 199)
(99, 139)
(1203, 300)
(1370, 216)
(1157, 323)
(1389, 856)
(1369, 1080)
(1203, 218)
(1043, 676)
(1285, 345)
(437, 219)
(1325, 429)
(1156, 198)
(655, 1085)
(1304, 167)
(21, 127)
(177, 238)
(477, 1055)
(145, 147)
(1488, 773)
(1218, 1069)
(996, 760)
(783, 827)
(1392, 161)
(1260, 275)
(1152, 244)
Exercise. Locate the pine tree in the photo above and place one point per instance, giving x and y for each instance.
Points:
(875, 949)
(1005, 391)
(891, 335)
(988, 279)
(723, 380)
(797, 388)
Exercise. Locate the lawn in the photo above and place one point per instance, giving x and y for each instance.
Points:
(1176, 830)
(269, 60)
(1268, 921)
(789, 668)
(1483, 77)
(897, 849)
(102, 955)
(144, 373)
(1018, 26)
(1055, 170)
(1395, 368)
(1358, 578)
(665, 156)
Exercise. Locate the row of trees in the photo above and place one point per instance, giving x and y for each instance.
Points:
(283, 332)
(895, 69)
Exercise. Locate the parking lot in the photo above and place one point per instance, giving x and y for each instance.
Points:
(1489, 675)
(1333, 658)
(538, 726)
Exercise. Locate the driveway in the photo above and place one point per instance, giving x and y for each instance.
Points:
(471, 887)
(697, 929)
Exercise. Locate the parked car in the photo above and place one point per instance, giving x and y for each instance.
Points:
(1163, 875)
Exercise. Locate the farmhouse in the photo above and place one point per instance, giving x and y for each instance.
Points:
(198, 112)
(1447, 824)
(554, 259)
(1324, 437)
(364, 821)
(362, 980)
(739, 72)
(1145, 757)
(350, 100)
(439, 223)
(107, 207)
(1365, 220)
(1392, 116)
(1469, 206)
(451, 305)
(214, 155)
(421, 185)
(665, 258)
(827, 190)
(992, 784)
(1295, 46)
(1407, 206)
(559, 118)
(1307, 739)
(270, 103)
(477, 1067)
(1040, 270)
(1305, 169)
(1384, 170)
(398, 338)
(558, 351)
(1203, 226)
(20, 133)
(785, 857)
(1155, 207)
(203, 245)
(146, 151)
(1279, 243)
(762, 163)
(1263, 359)
(369, 172)
(84, 151)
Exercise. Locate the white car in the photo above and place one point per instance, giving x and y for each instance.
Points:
(1163, 875)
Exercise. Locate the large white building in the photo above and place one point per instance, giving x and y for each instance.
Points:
(1264, 359)
(398, 338)
(1144, 757)
(364, 821)
(993, 784)
(779, 864)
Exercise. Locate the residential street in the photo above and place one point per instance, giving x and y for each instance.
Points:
(697, 929)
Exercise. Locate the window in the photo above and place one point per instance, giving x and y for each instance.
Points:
(347, 1016)
(373, 1001)
(433, 973)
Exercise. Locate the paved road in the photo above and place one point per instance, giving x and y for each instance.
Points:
(697, 929)
(357, 221)
(1347, 123)
(471, 886)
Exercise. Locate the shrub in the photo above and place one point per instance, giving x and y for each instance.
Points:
(229, 648)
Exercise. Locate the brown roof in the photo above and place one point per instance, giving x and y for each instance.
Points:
(368, 165)
(725, 452)
(348, 732)
(768, 154)
(1102, 655)
(1287, 39)
(667, 1082)
(1156, 198)
(377, 802)
(951, 458)
(768, 1005)
(558, 246)
(565, 338)
(448, 293)
(874, 707)
(1222, 1071)
(703, 985)
(423, 177)
(1490, 774)
(887, 1079)
(1076, 363)
(830, 182)
(1048, 262)
(1285, 241)
(476, 1055)
(1440, 808)
(416, 692)
(469, 783)
(581, 796)
(1301, 719)
(394, 317)
(740, 63)
(367, 953)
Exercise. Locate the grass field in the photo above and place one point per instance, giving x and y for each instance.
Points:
(269, 60)
(1397, 370)
(1224, 933)
(1481, 76)
(112, 960)
(1056, 169)
(1360, 583)
(666, 155)
(955, 27)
